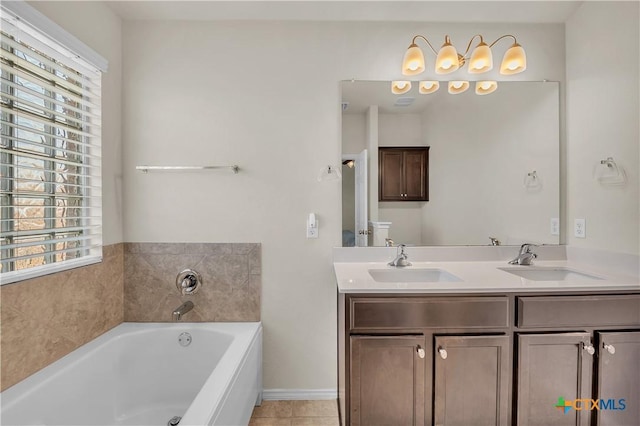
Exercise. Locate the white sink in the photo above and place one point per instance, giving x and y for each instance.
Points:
(411, 275)
(546, 273)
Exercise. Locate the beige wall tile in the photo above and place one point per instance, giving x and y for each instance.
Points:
(231, 281)
(45, 318)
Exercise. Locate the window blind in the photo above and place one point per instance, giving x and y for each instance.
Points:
(50, 154)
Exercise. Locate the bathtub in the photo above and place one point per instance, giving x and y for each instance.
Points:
(147, 374)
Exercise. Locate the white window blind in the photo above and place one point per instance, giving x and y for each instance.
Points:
(50, 192)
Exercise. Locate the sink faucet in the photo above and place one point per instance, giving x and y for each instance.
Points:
(526, 256)
(181, 310)
(401, 258)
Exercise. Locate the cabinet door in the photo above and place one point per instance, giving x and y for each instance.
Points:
(391, 175)
(554, 370)
(619, 379)
(387, 380)
(472, 376)
(415, 175)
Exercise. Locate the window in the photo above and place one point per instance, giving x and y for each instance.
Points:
(50, 191)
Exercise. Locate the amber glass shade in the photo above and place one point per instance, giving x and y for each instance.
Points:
(426, 87)
(456, 87)
(400, 87)
(486, 87)
(481, 59)
(514, 61)
(413, 62)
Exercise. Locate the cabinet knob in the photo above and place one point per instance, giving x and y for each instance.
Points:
(589, 348)
(443, 352)
(421, 352)
(610, 348)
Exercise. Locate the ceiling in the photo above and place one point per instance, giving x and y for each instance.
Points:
(358, 10)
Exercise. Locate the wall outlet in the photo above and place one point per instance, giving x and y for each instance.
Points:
(580, 228)
(555, 226)
(312, 227)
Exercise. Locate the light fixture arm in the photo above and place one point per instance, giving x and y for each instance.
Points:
(471, 41)
(413, 41)
(501, 37)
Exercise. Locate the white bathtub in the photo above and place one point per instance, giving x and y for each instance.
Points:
(139, 374)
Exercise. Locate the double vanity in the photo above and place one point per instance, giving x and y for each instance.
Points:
(479, 341)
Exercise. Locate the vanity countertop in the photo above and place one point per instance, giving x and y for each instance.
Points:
(481, 277)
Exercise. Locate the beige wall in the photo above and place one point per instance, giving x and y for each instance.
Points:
(217, 93)
(45, 318)
(602, 121)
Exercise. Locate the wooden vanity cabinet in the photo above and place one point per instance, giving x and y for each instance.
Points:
(496, 359)
(403, 174)
(387, 380)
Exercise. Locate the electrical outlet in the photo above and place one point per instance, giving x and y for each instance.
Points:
(555, 226)
(580, 228)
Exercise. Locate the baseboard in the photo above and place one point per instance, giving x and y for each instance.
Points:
(299, 394)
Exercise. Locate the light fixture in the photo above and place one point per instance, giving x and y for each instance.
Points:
(399, 87)
(349, 163)
(457, 87)
(486, 87)
(449, 60)
(426, 87)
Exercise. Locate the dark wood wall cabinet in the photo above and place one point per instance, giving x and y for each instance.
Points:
(495, 359)
(403, 174)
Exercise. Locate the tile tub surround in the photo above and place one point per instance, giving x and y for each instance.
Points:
(231, 281)
(45, 318)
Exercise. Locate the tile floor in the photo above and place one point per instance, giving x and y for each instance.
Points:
(296, 413)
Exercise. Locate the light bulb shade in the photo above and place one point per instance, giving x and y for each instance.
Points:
(457, 87)
(426, 87)
(399, 87)
(486, 87)
(514, 61)
(413, 62)
(447, 60)
(481, 59)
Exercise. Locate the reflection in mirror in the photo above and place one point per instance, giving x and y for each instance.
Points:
(493, 163)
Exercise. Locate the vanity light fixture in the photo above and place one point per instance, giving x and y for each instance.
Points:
(400, 87)
(457, 87)
(449, 60)
(486, 87)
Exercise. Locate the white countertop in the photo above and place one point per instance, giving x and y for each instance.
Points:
(480, 277)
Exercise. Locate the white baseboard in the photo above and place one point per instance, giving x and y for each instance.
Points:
(299, 394)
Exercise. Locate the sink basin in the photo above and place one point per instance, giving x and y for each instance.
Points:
(412, 275)
(542, 273)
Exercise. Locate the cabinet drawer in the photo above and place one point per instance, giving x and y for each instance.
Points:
(578, 311)
(418, 312)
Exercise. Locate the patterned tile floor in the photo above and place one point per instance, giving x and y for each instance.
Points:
(296, 413)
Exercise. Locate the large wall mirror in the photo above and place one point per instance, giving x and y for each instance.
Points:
(493, 163)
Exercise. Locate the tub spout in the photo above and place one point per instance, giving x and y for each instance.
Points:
(181, 310)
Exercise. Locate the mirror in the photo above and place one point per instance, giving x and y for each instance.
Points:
(493, 162)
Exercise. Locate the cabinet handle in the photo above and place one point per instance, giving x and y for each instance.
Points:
(443, 352)
(421, 352)
(589, 348)
(610, 348)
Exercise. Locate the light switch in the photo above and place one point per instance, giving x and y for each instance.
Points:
(555, 226)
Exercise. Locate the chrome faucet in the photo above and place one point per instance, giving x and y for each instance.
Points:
(401, 258)
(181, 310)
(388, 242)
(526, 256)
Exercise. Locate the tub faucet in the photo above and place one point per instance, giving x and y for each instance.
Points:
(526, 256)
(401, 258)
(181, 310)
